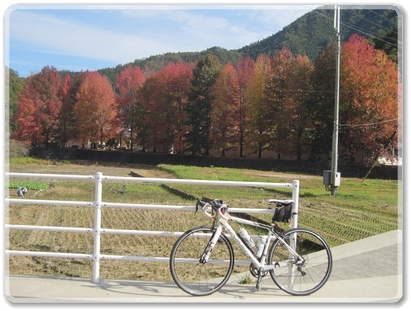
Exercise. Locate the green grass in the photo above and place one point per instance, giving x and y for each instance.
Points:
(30, 185)
(360, 208)
(31, 161)
(352, 191)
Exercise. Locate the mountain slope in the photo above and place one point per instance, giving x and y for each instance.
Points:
(311, 33)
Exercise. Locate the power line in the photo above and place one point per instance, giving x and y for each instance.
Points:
(368, 34)
(368, 124)
(371, 22)
(357, 29)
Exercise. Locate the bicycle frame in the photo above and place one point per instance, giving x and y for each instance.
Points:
(222, 222)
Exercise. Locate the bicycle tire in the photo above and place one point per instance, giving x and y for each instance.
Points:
(194, 277)
(295, 278)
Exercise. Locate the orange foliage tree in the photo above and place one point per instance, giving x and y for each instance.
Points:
(257, 113)
(369, 99)
(278, 96)
(245, 68)
(225, 110)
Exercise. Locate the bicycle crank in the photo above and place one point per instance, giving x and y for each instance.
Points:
(254, 271)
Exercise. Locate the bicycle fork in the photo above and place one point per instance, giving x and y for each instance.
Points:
(210, 245)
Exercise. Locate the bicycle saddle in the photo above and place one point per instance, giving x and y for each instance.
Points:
(280, 202)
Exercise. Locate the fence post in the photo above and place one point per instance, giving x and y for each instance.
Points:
(97, 227)
(295, 197)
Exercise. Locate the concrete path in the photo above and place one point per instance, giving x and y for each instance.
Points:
(365, 271)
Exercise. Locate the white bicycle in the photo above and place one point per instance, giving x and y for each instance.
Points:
(202, 259)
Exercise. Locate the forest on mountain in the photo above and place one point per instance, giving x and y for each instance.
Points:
(278, 99)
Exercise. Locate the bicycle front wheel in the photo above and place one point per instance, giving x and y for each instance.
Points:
(193, 274)
(298, 277)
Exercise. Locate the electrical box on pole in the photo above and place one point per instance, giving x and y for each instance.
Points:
(331, 178)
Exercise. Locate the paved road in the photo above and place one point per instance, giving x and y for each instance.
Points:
(365, 271)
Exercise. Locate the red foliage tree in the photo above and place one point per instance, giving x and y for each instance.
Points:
(65, 116)
(129, 82)
(95, 110)
(38, 107)
(165, 95)
(174, 85)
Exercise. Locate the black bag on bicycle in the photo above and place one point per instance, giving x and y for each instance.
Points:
(283, 214)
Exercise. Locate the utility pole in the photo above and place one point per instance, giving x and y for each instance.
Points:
(331, 179)
(335, 180)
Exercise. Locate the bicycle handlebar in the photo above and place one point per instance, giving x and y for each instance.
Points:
(215, 205)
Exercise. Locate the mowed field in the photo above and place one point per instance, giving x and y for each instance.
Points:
(360, 209)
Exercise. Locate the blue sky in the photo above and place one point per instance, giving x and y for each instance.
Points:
(90, 37)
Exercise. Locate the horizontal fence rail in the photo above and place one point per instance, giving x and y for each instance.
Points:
(98, 179)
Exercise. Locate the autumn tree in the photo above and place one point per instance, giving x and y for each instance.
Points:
(76, 82)
(258, 118)
(296, 111)
(369, 99)
(321, 102)
(245, 67)
(66, 121)
(174, 85)
(38, 107)
(129, 83)
(225, 110)
(199, 103)
(155, 116)
(95, 110)
(164, 97)
(278, 96)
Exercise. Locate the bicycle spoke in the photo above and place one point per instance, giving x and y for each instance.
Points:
(189, 273)
(301, 277)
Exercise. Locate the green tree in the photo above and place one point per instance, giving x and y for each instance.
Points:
(198, 107)
(14, 87)
(296, 111)
(321, 102)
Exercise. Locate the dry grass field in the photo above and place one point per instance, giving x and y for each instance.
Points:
(338, 222)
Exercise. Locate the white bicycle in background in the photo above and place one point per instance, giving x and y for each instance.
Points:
(202, 259)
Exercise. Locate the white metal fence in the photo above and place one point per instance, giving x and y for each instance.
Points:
(98, 204)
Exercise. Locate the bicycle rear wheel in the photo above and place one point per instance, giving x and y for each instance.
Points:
(194, 277)
(308, 276)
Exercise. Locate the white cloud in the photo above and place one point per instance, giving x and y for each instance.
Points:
(47, 34)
